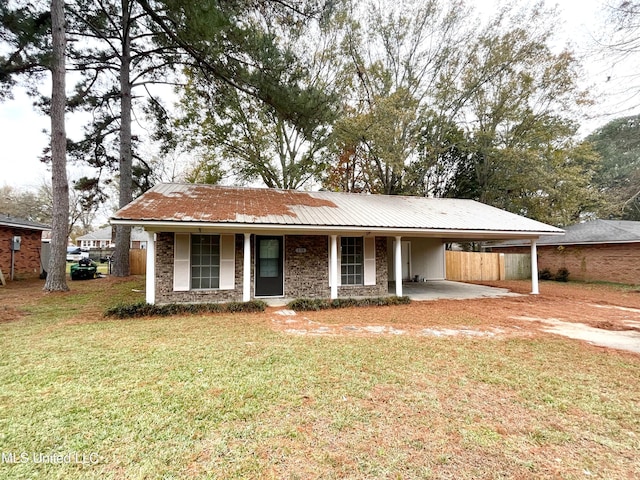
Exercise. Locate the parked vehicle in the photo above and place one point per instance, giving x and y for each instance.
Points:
(75, 254)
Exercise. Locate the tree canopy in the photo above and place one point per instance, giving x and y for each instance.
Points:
(396, 97)
(618, 177)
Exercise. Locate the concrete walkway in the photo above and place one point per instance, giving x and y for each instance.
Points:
(445, 289)
(431, 290)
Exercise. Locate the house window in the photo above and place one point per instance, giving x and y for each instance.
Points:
(205, 261)
(351, 260)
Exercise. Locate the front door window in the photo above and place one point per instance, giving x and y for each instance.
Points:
(269, 267)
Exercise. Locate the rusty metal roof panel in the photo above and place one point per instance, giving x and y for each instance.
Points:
(234, 205)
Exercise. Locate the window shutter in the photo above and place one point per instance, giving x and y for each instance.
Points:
(181, 261)
(227, 262)
(369, 248)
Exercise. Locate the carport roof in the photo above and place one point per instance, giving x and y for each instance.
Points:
(208, 206)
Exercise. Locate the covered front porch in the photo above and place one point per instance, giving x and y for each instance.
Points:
(431, 290)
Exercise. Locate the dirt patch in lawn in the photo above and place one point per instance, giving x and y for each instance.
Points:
(558, 309)
(89, 297)
(10, 314)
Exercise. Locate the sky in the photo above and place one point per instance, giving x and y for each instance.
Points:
(23, 140)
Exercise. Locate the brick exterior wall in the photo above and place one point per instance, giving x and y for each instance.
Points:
(164, 276)
(305, 274)
(27, 260)
(608, 262)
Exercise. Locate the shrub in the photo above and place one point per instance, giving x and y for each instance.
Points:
(306, 304)
(250, 306)
(545, 274)
(143, 309)
(344, 302)
(562, 275)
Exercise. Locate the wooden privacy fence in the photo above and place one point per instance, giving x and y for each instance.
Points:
(138, 261)
(475, 266)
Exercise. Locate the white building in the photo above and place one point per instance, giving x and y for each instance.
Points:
(105, 238)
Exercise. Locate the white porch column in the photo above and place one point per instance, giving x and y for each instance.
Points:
(333, 266)
(397, 263)
(246, 269)
(534, 268)
(150, 281)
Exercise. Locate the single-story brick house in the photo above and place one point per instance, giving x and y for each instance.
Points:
(104, 238)
(599, 250)
(20, 247)
(213, 243)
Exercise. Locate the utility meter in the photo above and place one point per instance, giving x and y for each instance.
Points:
(15, 243)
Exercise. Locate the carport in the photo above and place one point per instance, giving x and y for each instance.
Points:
(445, 289)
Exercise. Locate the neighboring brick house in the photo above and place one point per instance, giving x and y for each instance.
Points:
(26, 257)
(209, 243)
(599, 250)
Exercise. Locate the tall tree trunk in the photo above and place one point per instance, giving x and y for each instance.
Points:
(121, 266)
(56, 276)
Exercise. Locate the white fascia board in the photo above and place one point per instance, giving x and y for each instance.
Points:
(158, 225)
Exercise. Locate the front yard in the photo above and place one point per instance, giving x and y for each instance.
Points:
(249, 396)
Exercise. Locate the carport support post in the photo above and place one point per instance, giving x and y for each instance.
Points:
(150, 280)
(397, 264)
(333, 267)
(534, 268)
(246, 269)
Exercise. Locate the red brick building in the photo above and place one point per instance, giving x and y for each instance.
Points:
(600, 250)
(21, 239)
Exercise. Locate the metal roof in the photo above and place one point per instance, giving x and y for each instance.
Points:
(10, 221)
(210, 205)
(593, 232)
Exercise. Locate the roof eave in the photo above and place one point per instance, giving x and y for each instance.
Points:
(562, 244)
(454, 234)
(42, 228)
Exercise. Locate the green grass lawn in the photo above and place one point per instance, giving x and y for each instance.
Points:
(226, 396)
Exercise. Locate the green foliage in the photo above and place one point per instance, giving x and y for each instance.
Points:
(522, 154)
(271, 127)
(444, 107)
(143, 309)
(25, 32)
(618, 176)
(562, 275)
(545, 274)
(315, 304)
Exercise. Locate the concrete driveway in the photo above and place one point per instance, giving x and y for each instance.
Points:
(445, 289)
(431, 290)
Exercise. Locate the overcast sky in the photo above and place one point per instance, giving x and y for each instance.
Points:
(23, 141)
